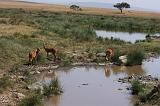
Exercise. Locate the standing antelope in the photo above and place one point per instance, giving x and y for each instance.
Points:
(109, 53)
(50, 50)
(33, 55)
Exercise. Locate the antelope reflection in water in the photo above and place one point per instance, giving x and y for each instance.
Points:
(52, 101)
(133, 70)
(46, 77)
(108, 71)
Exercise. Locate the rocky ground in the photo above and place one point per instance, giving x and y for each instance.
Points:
(151, 86)
(143, 79)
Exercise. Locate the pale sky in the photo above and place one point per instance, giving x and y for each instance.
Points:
(147, 4)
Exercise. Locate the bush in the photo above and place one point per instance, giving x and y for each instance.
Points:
(41, 59)
(139, 41)
(34, 98)
(137, 103)
(135, 57)
(82, 35)
(118, 41)
(4, 83)
(114, 41)
(65, 62)
(100, 39)
(15, 68)
(115, 57)
(53, 88)
(143, 97)
(64, 59)
(137, 87)
(29, 79)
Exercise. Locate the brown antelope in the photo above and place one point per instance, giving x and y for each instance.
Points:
(109, 53)
(50, 50)
(33, 55)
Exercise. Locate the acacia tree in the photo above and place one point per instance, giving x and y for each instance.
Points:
(122, 5)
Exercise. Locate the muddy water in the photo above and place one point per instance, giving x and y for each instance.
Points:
(90, 86)
(152, 67)
(95, 86)
(126, 36)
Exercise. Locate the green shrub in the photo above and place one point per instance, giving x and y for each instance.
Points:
(41, 59)
(65, 62)
(82, 35)
(137, 87)
(139, 41)
(115, 57)
(15, 68)
(135, 57)
(143, 97)
(29, 79)
(114, 41)
(64, 59)
(34, 98)
(137, 103)
(4, 83)
(53, 88)
(100, 39)
(118, 41)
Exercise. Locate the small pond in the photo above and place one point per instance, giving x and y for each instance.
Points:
(126, 36)
(94, 86)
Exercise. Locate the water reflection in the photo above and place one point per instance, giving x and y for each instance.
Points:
(107, 70)
(126, 36)
(45, 77)
(102, 88)
(133, 70)
(152, 67)
(52, 101)
(99, 91)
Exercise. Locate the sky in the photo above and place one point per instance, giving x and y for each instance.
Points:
(146, 4)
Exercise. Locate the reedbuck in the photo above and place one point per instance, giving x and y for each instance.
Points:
(33, 55)
(50, 50)
(109, 53)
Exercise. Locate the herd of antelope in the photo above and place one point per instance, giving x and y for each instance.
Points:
(33, 56)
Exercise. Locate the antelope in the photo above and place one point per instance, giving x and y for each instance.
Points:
(33, 55)
(109, 53)
(50, 50)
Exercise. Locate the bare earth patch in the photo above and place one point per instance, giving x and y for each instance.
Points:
(7, 99)
(6, 30)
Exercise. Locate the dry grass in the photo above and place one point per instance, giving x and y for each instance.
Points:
(12, 29)
(61, 8)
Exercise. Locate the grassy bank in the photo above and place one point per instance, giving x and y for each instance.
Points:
(67, 32)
